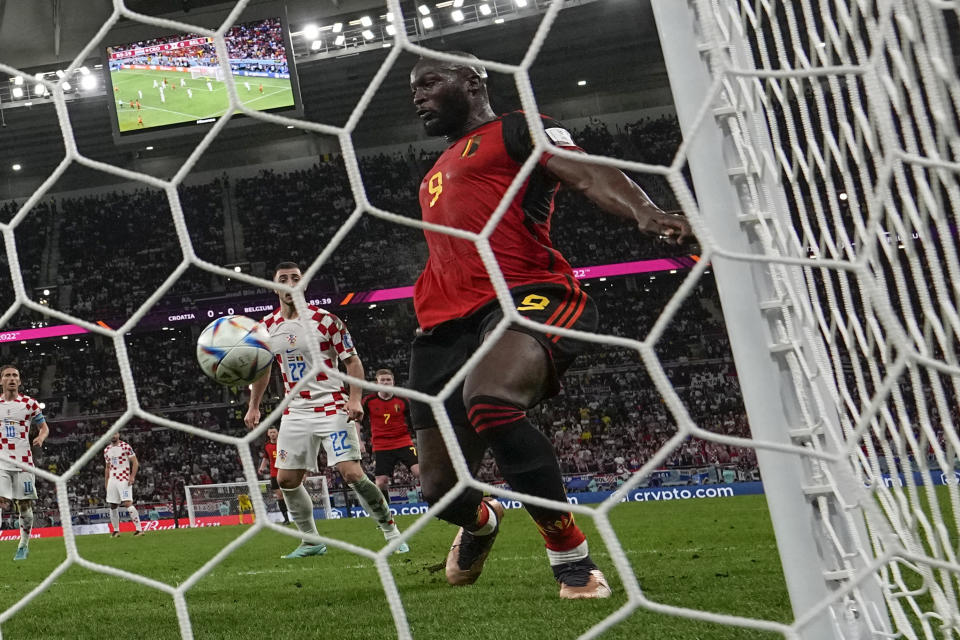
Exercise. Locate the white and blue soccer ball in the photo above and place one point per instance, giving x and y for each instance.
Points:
(234, 350)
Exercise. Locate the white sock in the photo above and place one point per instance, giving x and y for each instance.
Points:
(134, 516)
(491, 525)
(373, 502)
(300, 509)
(26, 525)
(579, 552)
(115, 520)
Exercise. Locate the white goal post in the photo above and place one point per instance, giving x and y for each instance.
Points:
(221, 499)
(822, 141)
(210, 73)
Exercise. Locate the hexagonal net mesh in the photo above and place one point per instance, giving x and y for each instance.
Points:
(839, 123)
(838, 129)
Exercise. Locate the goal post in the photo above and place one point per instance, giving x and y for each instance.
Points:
(209, 73)
(221, 499)
(796, 129)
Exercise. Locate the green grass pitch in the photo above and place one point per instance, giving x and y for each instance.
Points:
(716, 555)
(178, 105)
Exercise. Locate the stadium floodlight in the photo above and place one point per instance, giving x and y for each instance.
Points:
(581, 83)
(389, 17)
(17, 92)
(84, 71)
(237, 269)
(391, 30)
(520, 3)
(340, 40)
(18, 81)
(311, 32)
(367, 34)
(40, 89)
(60, 73)
(316, 44)
(149, 148)
(457, 4)
(16, 167)
(842, 196)
(457, 15)
(485, 9)
(337, 27)
(498, 21)
(427, 22)
(366, 21)
(66, 86)
(88, 82)
(424, 10)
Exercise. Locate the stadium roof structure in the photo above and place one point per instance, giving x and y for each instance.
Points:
(612, 44)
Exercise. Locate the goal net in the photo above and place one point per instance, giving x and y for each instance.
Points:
(835, 218)
(210, 502)
(210, 73)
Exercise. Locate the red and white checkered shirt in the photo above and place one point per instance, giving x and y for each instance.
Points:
(288, 341)
(117, 456)
(16, 417)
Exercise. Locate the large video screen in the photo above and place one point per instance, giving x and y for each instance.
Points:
(176, 80)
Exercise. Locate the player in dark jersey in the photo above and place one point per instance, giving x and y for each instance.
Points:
(457, 308)
(269, 461)
(389, 417)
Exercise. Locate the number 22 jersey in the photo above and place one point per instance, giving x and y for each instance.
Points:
(288, 341)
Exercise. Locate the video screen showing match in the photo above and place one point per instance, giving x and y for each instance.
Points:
(177, 79)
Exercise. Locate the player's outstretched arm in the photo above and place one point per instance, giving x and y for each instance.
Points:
(257, 389)
(611, 190)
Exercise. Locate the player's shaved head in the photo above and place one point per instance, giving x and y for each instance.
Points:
(466, 69)
(450, 96)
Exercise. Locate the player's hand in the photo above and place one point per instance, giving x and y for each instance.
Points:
(354, 410)
(363, 445)
(38, 441)
(670, 227)
(252, 419)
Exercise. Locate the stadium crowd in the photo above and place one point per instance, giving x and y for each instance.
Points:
(608, 420)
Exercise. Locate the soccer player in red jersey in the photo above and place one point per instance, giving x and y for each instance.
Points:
(389, 417)
(18, 413)
(269, 461)
(457, 308)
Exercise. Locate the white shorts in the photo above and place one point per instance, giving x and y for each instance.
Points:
(119, 491)
(302, 433)
(17, 485)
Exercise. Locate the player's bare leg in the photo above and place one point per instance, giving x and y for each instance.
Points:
(383, 483)
(25, 508)
(510, 379)
(134, 517)
(372, 500)
(300, 508)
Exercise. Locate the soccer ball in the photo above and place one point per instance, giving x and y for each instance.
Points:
(234, 350)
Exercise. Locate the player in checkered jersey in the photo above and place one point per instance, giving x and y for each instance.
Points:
(119, 472)
(322, 413)
(17, 414)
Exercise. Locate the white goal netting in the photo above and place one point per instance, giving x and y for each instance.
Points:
(838, 121)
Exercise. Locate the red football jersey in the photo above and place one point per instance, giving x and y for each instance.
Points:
(270, 450)
(388, 422)
(461, 191)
